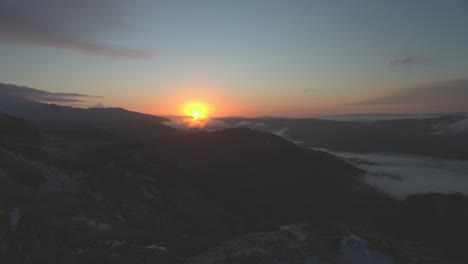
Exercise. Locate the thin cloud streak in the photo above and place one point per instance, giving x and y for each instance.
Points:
(65, 25)
(9, 90)
(452, 94)
(410, 62)
(308, 91)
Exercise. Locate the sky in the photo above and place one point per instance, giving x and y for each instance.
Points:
(298, 58)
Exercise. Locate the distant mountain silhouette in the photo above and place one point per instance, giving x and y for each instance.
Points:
(19, 101)
(426, 136)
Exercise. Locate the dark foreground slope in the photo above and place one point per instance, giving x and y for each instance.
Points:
(98, 197)
(86, 196)
(261, 175)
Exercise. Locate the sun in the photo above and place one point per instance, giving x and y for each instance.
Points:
(196, 110)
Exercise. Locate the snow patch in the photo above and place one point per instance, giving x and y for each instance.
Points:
(151, 193)
(156, 247)
(113, 244)
(15, 217)
(311, 260)
(36, 241)
(103, 226)
(93, 223)
(57, 180)
(355, 250)
(121, 218)
(79, 251)
(296, 231)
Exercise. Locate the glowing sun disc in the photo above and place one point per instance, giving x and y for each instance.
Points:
(196, 110)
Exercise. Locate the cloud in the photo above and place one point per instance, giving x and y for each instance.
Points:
(65, 24)
(410, 62)
(98, 105)
(14, 91)
(187, 122)
(250, 124)
(451, 94)
(402, 175)
(459, 127)
(281, 131)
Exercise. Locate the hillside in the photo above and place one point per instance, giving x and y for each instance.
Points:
(122, 187)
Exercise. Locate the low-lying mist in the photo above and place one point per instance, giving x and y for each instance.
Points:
(402, 175)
